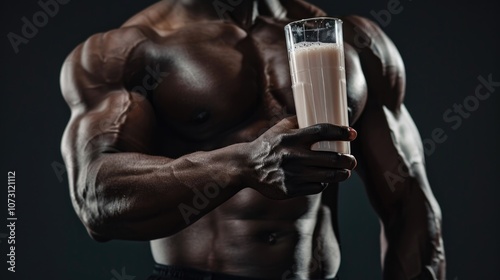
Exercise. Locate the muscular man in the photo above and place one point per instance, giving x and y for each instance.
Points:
(182, 133)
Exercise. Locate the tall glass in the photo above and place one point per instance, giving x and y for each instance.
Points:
(317, 66)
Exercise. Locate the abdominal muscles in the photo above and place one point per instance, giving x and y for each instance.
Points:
(251, 235)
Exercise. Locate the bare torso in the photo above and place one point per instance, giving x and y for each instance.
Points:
(180, 134)
(226, 85)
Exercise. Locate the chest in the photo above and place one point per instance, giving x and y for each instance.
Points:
(223, 85)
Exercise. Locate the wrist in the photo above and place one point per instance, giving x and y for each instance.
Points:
(239, 165)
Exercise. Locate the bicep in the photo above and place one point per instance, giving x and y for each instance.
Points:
(106, 116)
(121, 122)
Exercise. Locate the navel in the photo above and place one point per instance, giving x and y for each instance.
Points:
(271, 239)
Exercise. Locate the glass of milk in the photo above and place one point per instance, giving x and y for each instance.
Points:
(317, 66)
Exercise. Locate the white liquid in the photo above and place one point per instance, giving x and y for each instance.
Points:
(319, 89)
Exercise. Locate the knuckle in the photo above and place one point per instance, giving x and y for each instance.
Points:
(279, 139)
(291, 191)
(285, 138)
(287, 156)
(288, 136)
(331, 176)
(335, 157)
(289, 178)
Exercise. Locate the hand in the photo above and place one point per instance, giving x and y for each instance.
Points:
(284, 166)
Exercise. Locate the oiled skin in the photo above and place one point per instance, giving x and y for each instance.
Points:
(216, 117)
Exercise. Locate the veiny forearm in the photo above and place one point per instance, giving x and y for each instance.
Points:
(413, 236)
(140, 197)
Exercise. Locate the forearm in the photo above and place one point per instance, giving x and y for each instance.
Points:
(412, 236)
(140, 197)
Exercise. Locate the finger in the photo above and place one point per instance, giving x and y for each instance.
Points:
(325, 132)
(316, 175)
(320, 159)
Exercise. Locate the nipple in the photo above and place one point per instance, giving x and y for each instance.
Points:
(201, 117)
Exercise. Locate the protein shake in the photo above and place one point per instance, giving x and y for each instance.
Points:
(317, 69)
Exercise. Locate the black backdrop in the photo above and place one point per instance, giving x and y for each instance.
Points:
(446, 47)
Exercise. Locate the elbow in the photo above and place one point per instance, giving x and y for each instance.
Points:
(90, 212)
(97, 237)
(95, 224)
(96, 229)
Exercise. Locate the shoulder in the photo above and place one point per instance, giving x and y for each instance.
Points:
(99, 62)
(381, 61)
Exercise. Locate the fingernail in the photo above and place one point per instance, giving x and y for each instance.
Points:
(352, 133)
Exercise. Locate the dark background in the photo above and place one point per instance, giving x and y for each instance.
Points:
(445, 48)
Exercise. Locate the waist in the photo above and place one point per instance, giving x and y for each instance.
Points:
(165, 272)
(255, 248)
